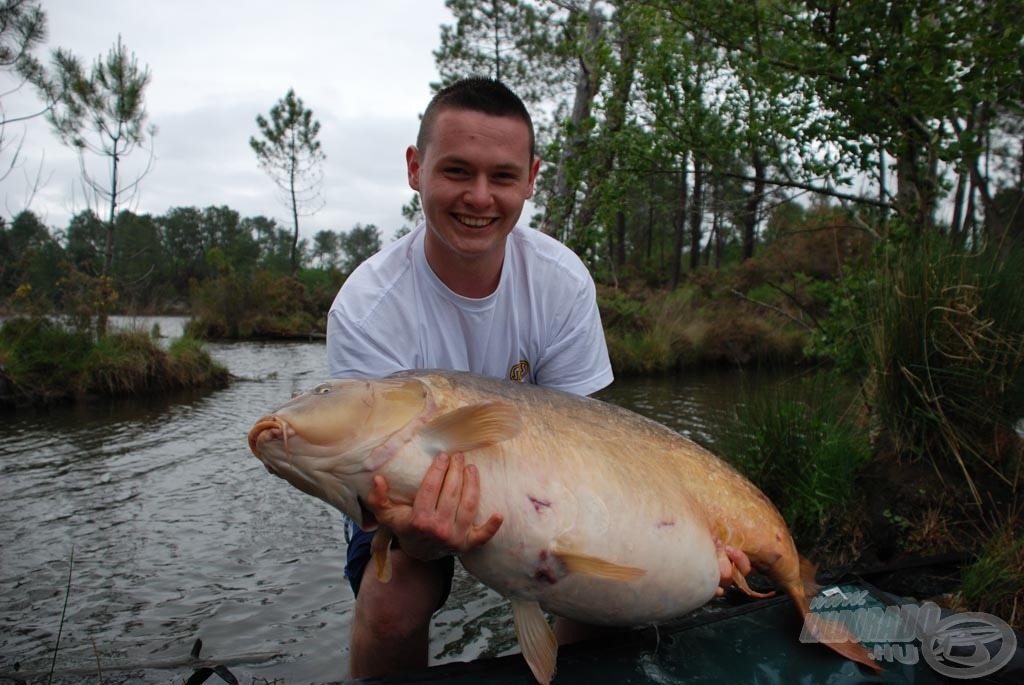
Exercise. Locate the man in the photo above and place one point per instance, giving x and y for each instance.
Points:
(466, 290)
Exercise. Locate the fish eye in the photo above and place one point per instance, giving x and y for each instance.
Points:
(322, 389)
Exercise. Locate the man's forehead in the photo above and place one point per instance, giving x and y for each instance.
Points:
(449, 121)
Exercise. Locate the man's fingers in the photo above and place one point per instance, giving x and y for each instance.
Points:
(378, 495)
(430, 486)
(448, 500)
(469, 498)
(724, 568)
(481, 534)
(741, 560)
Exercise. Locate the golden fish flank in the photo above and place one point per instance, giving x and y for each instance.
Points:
(559, 469)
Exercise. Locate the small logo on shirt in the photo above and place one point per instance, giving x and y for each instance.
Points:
(518, 372)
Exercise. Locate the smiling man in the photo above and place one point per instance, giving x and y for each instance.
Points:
(467, 290)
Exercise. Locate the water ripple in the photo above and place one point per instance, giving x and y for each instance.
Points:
(177, 532)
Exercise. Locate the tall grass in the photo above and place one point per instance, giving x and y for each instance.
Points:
(800, 445)
(946, 355)
(994, 581)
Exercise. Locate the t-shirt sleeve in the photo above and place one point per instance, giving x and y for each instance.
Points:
(353, 353)
(576, 358)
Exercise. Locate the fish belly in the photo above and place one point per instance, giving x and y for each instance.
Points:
(669, 551)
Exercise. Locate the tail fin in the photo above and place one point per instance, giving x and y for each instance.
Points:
(808, 571)
(830, 632)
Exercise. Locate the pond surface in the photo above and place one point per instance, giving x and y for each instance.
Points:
(157, 526)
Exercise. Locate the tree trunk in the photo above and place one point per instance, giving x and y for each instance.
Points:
(619, 257)
(679, 227)
(752, 209)
(615, 118)
(295, 224)
(696, 212)
(563, 198)
(106, 276)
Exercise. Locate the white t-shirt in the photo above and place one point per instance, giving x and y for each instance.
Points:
(541, 325)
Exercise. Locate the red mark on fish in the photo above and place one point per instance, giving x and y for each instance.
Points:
(539, 504)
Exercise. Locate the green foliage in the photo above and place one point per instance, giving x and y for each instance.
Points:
(253, 305)
(41, 358)
(510, 41)
(42, 361)
(621, 313)
(801, 447)
(358, 245)
(29, 257)
(994, 581)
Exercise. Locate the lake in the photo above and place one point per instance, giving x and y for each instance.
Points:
(153, 521)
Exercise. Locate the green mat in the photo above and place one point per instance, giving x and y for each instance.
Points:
(757, 642)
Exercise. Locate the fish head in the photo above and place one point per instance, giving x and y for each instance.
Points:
(328, 441)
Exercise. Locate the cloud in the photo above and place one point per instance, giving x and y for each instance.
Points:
(363, 68)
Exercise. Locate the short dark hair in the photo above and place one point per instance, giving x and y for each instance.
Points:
(483, 95)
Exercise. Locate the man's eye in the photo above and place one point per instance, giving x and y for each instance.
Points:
(455, 171)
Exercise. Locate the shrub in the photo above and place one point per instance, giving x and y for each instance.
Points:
(42, 362)
(41, 358)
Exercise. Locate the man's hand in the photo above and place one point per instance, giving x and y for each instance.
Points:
(727, 557)
(440, 520)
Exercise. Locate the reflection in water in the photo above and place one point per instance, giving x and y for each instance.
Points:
(178, 533)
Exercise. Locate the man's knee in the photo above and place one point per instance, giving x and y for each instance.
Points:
(391, 618)
(405, 604)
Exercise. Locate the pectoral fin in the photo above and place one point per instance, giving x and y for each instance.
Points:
(380, 552)
(741, 583)
(476, 425)
(594, 566)
(536, 639)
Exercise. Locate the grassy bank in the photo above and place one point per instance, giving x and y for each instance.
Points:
(42, 362)
(915, 451)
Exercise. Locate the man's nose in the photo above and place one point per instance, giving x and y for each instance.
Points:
(478, 193)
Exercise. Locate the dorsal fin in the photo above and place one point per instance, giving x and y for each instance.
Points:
(473, 426)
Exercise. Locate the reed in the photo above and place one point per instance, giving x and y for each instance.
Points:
(945, 349)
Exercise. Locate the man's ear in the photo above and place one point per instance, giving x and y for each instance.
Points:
(534, 169)
(412, 165)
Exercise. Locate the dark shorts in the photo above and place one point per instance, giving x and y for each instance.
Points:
(359, 555)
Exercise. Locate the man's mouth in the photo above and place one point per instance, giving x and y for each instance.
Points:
(473, 221)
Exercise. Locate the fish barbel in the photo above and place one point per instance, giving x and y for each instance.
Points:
(609, 518)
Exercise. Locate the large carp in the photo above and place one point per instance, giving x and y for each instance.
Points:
(609, 518)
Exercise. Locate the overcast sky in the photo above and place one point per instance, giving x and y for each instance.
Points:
(363, 66)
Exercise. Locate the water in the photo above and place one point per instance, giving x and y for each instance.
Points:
(171, 531)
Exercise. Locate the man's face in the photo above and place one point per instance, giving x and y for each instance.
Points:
(473, 179)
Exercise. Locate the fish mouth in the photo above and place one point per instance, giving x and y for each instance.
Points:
(266, 429)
